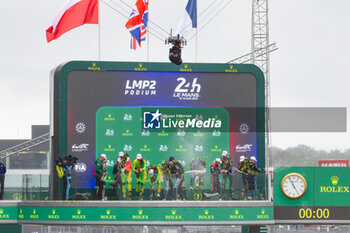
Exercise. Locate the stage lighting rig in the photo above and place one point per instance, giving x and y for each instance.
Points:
(175, 52)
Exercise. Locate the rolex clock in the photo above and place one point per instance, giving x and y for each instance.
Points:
(293, 185)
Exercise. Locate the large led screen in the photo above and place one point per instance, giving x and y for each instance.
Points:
(103, 111)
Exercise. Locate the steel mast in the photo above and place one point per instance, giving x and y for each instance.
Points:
(260, 41)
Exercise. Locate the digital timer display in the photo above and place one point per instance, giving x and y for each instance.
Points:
(309, 213)
(312, 213)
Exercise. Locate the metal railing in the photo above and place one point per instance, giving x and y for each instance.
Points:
(25, 145)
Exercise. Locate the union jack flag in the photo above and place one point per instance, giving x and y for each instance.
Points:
(137, 23)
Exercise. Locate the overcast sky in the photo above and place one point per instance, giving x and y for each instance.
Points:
(309, 69)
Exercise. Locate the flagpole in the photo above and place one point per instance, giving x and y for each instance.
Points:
(99, 29)
(148, 45)
(148, 36)
(195, 58)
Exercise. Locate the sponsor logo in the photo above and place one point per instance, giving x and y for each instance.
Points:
(127, 148)
(109, 163)
(94, 67)
(145, 133)
(163, 148)
(53, 215)
(187, 90)
(127, 133)
(191, 123)
(163, 133)
(80, 127)
(335, 188)
(263, 215)
(109, 118)
(151, 120)
(79, 215)
(206, 216)
(108, 215)
(180, 149)
(198, 148)
(199, 117)
(216, 133)
(80, 148)
(109, 148)
(198, 134)
(140, 68)
(216, 149)
(127, 117)
(80, 167)
(21, 215)
(334, 163)
(145, 148)
(186, 69)
(3, 215)
(140, 215)
(34, 215)
(173, 216)
(181, 133)
(231, 70)
(140, 87)
(109, 132)
(244, 148)
(155, 120)
(334, 180)
(244, 128)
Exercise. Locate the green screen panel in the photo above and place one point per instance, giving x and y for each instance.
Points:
(121, 129)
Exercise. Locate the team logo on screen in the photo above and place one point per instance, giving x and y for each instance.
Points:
(244, 128)
(151, 120)
(80, 148)
(80, 127)
(80, 167)
(244, 148)
(140, 87)
(187, 90)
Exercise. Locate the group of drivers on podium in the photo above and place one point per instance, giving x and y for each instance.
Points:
(172, 173)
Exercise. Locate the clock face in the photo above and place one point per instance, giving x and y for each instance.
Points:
(293, 186)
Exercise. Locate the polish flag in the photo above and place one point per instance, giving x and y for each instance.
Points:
(73, 14)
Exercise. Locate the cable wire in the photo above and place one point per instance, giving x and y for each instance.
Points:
(210, 19)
